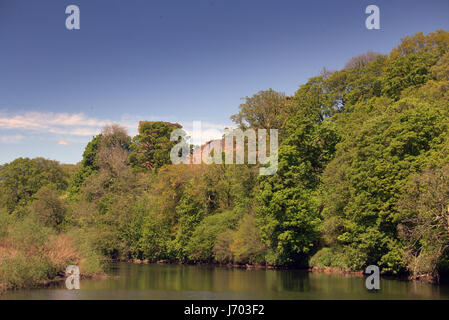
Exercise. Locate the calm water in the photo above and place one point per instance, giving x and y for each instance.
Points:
(160, 281)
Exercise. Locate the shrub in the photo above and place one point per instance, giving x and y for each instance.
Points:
(330, 258)
(201, 244)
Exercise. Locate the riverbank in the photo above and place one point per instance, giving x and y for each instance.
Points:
(48, 283)
(130, 281)
(230, 265)
(313, 269)
(119, 271)
(32, 255)
(328, 270)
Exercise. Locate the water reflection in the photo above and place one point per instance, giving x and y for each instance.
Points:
(157, 281)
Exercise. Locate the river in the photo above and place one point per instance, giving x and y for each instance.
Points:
(165, 281)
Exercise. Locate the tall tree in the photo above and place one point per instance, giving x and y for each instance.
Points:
(23, 177)
(266, 109)
(151, 147)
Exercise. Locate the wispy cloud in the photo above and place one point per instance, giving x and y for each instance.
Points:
(76, 124)
(63, 142)
(66, 128)
(11, 138)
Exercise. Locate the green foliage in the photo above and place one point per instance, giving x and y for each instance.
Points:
(440, 71)
(222, 250)
(49, 208)
(382, 144)
(201, 244)
(191, 212)
(31, 253)
(22, 178)
(350, 140)
(151, 147)
(424, 211)
(21, 270)
(264, 110)
(410, 71)
(247, 245)
(5, 220)
(87, 166)
(155, 237)
(362, 179)
(410, 63)
(332, 258)
(182, 202)
(288, 214)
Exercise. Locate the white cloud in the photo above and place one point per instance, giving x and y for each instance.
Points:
(78, 127)
(76, 124)
(206, 132)
(11, 138)
(63, 142)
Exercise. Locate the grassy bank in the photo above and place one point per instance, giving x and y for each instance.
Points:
(32, 254)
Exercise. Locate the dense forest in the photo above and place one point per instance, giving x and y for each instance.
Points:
(362, 179)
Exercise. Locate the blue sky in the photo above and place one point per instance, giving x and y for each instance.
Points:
(183, 60)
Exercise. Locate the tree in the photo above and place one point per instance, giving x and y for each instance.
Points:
(87, 166)
(23, 177)
(264, 110)
(151, 147)
(410, 62)
(190, 212)
(246, 245)
(361, 60)
(424, 209)
(106, 198)
(412, 70)
(287, 213)
(440, 70)
(201, 245)
(113, 150)
(379, 150)
(49, 208)
(436, 42)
